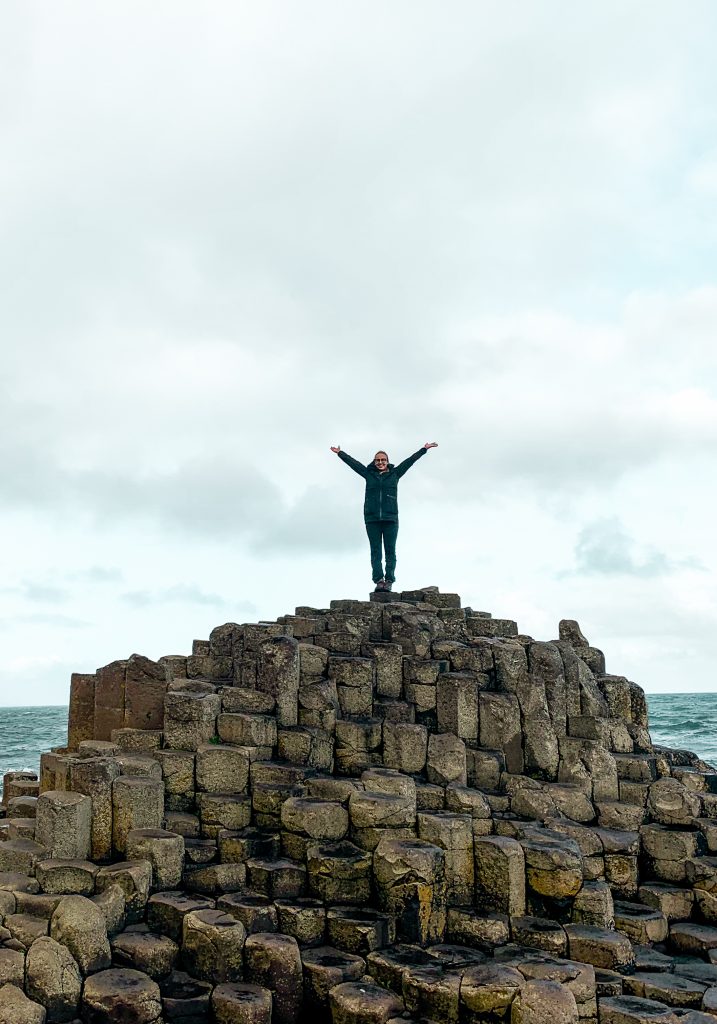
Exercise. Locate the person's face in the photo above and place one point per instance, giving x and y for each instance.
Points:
(380, 461)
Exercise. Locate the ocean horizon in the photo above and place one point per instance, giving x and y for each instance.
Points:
(686, 721)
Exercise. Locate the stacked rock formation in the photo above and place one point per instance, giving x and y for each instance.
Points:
(395, 808)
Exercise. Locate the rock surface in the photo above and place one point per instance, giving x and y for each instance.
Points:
(394, 808)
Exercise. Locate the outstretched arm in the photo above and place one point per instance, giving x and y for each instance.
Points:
(404, 466)
(353, 463)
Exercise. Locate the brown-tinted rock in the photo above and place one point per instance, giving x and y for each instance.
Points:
(273, 961)
(80, 925)
(16, 1008)
(53, 978)
(242, 1004)
(356, 1002)
(122, 995)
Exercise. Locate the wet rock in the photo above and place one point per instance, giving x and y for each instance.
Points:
(16, 1008)
(53, 979)
(242, 1004)
(212, 946)
(163, 849)
(63, 824)
(324, 968)
(273, 961)
(410, 882)
(487, 992)
(363, 1003)
(633, 1010)
(12, 967)
(120, 995)
(544, 1002)
(80, 926)
(142, 950)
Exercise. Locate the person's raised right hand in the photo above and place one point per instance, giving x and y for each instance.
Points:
(336, 450)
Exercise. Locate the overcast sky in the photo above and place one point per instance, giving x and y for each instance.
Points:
(234, 234)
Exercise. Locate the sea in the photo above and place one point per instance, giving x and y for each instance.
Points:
(684, 720)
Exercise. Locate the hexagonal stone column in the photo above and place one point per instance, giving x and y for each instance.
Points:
(411, 885)
(190, 719)
(272, 960)
(356, 1002)
(213, 945)
(63, 824)
(53, 978)
(339, 873)
(241, 1004)
(121, 995)
(165, 852)
(78, 924)
(94, 776)
(137, 803)
(500, 874)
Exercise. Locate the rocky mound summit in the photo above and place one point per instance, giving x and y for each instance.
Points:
(389, 809)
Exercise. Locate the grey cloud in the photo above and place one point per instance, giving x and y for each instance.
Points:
(183, 593)
(38, 593)
(318, 521)
(604, 548)
(51, 619)
(97, 574)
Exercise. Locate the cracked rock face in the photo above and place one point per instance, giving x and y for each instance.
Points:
(384, 809)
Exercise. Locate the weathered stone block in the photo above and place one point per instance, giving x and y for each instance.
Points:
(94, 777)
(81, 720)
(356, 1002)
(600, 947)
(405, 747)
(166, 912)
(18, 1009)
(453, 833)
(234, 1003)
(446, 759)
(222, 769)
(190, 719)
(80, 926)
(137, 803)
(499, 718)
(500, 875)
(134, 877)
(278, 676)
(273, 961)
(121, 994)
(410, 883)
(165, 852)
(213, 945)
(324, 968)
(339, 872)
(487, 992)
(53, 979)
(64, 823)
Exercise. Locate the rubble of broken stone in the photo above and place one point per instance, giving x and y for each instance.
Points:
(395, 808)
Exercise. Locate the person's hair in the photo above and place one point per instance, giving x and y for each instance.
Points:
(380, 452)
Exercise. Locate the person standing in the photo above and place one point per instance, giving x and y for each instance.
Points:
(380, 507)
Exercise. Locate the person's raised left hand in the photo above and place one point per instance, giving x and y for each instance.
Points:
(430, 444)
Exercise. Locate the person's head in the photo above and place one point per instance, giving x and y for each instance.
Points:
(380, 461)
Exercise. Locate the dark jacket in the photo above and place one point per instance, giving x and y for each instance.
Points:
(381, 501)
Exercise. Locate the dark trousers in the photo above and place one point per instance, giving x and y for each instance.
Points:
(383, 535)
